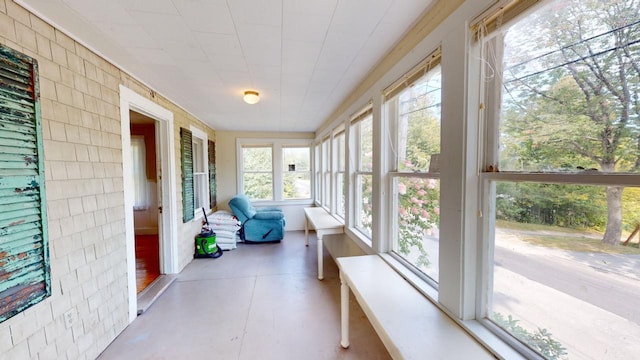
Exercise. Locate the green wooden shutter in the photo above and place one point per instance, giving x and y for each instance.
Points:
(212, 174)
(188, 200)
(25, 276)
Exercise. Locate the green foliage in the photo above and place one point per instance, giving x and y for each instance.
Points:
(540, 340)
(418, 215)
(572, 206)
(571, 85)
(418, 198)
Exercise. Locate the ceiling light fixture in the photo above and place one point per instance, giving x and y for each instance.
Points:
(251, 97)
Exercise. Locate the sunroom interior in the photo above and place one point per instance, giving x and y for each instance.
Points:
(487, 152)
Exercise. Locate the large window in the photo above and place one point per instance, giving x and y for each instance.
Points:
(339, 171)
(257, 172)
(362, 135)
(561, 179)
(413, 108)
(200, 172)
(296, 172)
(325, 167)
(194, 153)
(275, 170)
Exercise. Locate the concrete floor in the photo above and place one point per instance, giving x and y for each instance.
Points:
(260, 301)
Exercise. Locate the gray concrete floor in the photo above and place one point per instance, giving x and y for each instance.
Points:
(260, 301)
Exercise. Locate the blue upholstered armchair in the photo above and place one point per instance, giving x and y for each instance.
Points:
(258, 225)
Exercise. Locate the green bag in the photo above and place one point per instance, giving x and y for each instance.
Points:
(206, 246)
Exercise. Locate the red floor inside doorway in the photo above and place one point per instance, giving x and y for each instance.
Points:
(147, 260)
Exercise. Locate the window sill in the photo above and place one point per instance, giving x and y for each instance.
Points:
(474, 327)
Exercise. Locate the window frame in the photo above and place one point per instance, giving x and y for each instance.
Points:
(356, 172)
(276, 167)
(489, 176)
(339, 169)
(204, 192)
(285, 171)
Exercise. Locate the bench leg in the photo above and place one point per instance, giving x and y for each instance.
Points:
(344, 312)
(320, 257)
(306, 231)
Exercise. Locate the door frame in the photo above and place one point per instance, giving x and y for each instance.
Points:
(130, 100)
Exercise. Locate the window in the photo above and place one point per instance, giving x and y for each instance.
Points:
(195, 172)
(200, 173)
(257, 172)
(318, 171)
(25, 277)
(140, 183)
(339, 170)
(413, 108)
(277, 170)
(326, 174)
(212, 174)
(362, 130)
(561, 177)
(296, 172)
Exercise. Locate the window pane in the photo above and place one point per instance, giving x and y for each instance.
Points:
(199, 183)
(198, 160)
(416, 223)
(140, 183)
(296, 158)
(363, 203)
(366, 144)
(297, 185)
(258, 186)
(419, 123)
(256, 158)
(558, 284)
(340, 151)
(340, 183)
(326, 176)
(570, 89)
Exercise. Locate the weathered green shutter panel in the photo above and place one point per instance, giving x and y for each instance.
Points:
(188, 199)
(24, 252)
(212, 173)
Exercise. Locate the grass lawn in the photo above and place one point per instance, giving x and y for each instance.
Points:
(566, 239)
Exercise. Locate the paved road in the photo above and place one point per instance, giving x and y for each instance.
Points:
(612, 292)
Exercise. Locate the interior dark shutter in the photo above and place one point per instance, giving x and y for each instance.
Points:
(212, 173)
(186, 146)
(24, 255)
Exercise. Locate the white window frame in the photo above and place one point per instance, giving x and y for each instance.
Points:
(276, 167)
(309, 171)
(355, 158)
(325, 173)
(336, 171)
(488, 149)
(203, 191)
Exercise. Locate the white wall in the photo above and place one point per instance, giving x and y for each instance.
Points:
(226, 176)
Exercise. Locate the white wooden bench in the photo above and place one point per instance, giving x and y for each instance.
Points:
(323, 223)
(409, 325)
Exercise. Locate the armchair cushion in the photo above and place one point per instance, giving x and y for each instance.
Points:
(269, 215)
(242, 208)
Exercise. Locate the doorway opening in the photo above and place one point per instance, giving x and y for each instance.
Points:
(146, 208)
(134, 105)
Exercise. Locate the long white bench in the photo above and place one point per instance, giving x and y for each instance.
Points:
(323, 223)
(409, 325)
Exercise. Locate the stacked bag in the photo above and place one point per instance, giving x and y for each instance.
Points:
(226, 226)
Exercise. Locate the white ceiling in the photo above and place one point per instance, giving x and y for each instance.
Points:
(303, 56)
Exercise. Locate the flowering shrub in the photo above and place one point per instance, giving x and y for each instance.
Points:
(418, 215)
